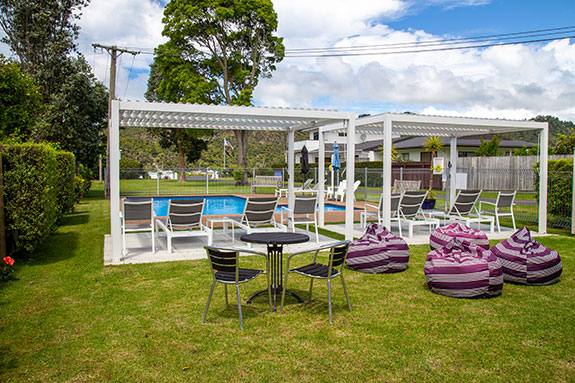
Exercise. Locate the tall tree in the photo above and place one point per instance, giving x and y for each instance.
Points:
(183, 87)
(20, 101)
(42, 36)
(225, 46)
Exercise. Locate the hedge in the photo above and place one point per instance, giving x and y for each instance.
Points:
(66, 167)
(560, 185)
(39, 187)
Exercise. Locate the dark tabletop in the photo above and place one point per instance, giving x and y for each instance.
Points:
(277, 238)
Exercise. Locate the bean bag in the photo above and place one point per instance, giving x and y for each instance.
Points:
(526, 261)
(443, 235)
(462, 269)
(378, 251)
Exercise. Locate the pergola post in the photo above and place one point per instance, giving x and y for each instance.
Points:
(291, 155)
(452, 171)
(321, 179)
(115, 227)
(350, 175)
(543, 169)
(387, 168)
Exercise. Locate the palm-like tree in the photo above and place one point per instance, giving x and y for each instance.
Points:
(433, 144)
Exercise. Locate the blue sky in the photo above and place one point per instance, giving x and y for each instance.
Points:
(518, 81)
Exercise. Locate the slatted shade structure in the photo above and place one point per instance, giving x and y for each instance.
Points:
(407, 124)
(199, 116)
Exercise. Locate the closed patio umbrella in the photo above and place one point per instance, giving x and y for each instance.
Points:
(304, 160)
(335, 163)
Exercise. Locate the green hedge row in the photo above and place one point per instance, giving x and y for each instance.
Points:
(39, 187)
(560, 185)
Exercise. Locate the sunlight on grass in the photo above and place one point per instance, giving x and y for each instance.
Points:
(68, 318)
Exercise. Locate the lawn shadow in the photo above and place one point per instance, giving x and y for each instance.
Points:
(74, 219)
(7, 362)
(57, 248)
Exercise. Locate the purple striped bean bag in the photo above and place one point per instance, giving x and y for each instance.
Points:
(462, 269)
(526, 261)
(378, 251)
(443, 235)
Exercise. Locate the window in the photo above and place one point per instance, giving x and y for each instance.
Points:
(405, 156)
(342, 134)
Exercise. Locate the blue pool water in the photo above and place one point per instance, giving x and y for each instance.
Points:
(219, 205)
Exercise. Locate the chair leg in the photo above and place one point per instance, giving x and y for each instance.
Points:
(345, 291)
(209, 299)
(399, 225)
(240, 306)
(497, 220)
(316, 232)
(310, 288)
(283, 293)
(153, 239)
(329, 297)
(513, 219)
(226, 289)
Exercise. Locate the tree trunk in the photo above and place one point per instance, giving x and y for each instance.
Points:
(182, 177)
(242, 138)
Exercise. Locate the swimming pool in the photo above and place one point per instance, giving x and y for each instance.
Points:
(218, 205)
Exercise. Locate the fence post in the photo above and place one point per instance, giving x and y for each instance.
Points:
(207, 182)
(573, 198)
(157, 180)
(401, 173)
(365, 184)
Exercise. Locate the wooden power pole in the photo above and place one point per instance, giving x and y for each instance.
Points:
(114, 52)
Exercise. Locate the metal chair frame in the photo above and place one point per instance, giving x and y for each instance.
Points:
(316, 270)
(135, 210)
(303, 205)
(504, 200)
(225, 260)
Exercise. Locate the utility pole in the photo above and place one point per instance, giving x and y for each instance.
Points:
(114, 52)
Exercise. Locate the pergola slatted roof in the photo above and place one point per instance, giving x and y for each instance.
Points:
(223, 117)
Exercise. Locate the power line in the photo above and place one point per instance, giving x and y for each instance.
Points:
(462, 40)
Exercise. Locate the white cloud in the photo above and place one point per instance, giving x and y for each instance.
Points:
(510, 81)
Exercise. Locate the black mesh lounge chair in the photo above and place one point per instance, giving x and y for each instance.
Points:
(464, 209)
(137, 215)
(304, 211)
(315, 270)
(260, 212)
(505, 200)
(184, 220)
(225, 267)
(410, 211)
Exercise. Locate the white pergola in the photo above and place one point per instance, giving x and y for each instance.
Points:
(219, 117)
(197, 116)
(395, 124)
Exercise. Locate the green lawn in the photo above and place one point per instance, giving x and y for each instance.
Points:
(68, 318)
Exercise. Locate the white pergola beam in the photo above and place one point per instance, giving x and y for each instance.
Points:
(543, 163)
(350, 176)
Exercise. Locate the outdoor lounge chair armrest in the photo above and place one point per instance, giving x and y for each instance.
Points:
(371, 206)
(485, 202)
(241, 250)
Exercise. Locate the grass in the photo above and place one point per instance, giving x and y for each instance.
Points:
(70, 319)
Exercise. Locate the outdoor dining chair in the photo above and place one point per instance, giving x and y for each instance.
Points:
(137, 215)
(304, 211)
(225, 268)
(184, 220)
(334, 268)
(505, 200)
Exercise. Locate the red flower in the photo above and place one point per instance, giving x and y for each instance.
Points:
(8, 260)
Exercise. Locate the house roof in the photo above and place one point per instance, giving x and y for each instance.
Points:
(404, 143)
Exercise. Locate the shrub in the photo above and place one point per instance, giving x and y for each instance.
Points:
(30, 174)
(560, 185)
(66, 173)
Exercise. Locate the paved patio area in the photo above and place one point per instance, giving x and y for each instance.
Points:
(139, 244)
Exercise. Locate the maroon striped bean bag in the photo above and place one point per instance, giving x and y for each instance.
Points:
(462, 269)
(526, 261)
(443, 235)
(378, 251)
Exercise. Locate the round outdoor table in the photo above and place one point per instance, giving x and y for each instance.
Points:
(275, 242)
